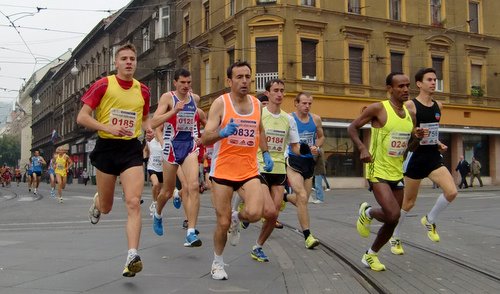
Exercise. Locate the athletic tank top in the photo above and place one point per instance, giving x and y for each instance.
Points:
(388, 144)
(277, 134)
(36, 163)
(51, 165)
(155, 156)
(428, 117)
(182, 126)
(121, 107)
(61, 164)
(307, 133)
(235, 157)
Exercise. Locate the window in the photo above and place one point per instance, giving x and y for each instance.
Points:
(230, 56)
(309, 59)
(112, 54)
(437, 65)
(146, 42)
(436, 12)
(186, 27)
(232, 7)
(206, 16)
(354, 6)
(308, 2)
(397, 61)
(265, 1)
(478, 146)
(473, 20)
(207, 77)
(164, 28)
(476, 75)
(342, 158)
(355, 65)
(395, 9)
(266, 61)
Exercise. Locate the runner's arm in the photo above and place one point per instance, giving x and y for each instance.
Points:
(211, 133)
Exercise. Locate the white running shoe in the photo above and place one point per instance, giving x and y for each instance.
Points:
(234, 230)
(218, 272)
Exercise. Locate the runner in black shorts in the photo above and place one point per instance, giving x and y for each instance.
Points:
(425, 160)
(300, 168)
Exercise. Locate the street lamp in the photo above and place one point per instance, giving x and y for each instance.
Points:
(74, 70)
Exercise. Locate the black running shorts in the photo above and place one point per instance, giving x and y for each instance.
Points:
(114, 156)
(419, 165)
(303, 165)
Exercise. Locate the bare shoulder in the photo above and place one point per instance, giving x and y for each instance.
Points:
(439, 103)
(410, 105)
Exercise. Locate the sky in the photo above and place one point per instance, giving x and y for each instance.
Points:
(42, 35)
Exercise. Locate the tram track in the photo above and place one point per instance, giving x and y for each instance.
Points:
(371, 284)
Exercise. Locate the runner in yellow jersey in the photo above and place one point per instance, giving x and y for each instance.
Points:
(61, 163)
(281, 131)
(392, 127)
(121, 105)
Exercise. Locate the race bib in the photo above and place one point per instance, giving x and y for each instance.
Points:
(124, 118)
(433, 137)
(398, 142)
(185, 121)
(307, 137)
(245, 134)
(275, 140)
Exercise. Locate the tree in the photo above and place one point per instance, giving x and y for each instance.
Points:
(10, 149)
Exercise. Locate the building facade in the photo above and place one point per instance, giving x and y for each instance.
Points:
(341, 51)
(338, 50)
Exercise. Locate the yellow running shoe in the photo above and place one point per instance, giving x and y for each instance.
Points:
(311, 242)
(396, 246)
(283, 205)
(363, 223)
(371, 261)
(431, 229)
(132, 267)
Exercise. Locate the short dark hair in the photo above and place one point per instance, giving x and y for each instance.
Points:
(229, 72)
(262, 97)
(181, 72)
(419, 76)
(390, 77)
(273, 81)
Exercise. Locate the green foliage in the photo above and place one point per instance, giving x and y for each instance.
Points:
(477, 91)
(10, 149)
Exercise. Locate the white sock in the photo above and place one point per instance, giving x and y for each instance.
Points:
(397, 230)
(190, 230)
(367, 212)
(131, 253)
(256, 246)
(218, 259)
(440, 205)
(370, 251)
(235, 217)
(157, 215)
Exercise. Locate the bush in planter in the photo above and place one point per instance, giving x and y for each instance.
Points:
(477, 91)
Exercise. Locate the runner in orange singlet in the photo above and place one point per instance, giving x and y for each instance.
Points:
(234, 125)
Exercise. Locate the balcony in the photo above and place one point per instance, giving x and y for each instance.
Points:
(261, 78)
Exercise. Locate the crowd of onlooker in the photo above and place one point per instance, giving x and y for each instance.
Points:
(8, 174)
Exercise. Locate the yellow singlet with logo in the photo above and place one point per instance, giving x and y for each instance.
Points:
(387, 146)
(277, 134)
(61, 164)
(121, 107)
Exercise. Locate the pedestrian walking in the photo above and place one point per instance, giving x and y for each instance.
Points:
(475, 172)
(463, 168)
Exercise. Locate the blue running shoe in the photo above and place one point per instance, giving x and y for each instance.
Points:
(158, 225)
(259, 255)
(192, 240)
(177, 202)
(177, 199)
